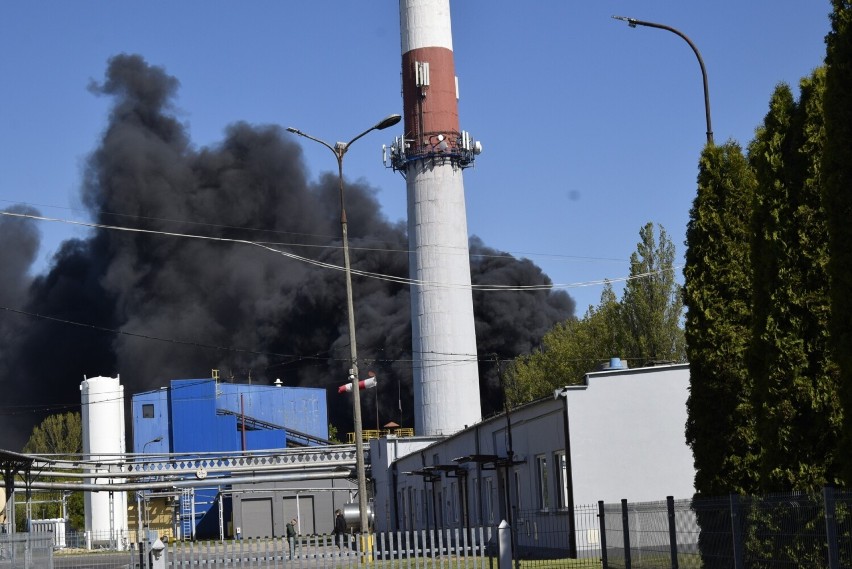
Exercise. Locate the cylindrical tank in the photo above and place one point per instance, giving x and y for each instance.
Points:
(102, 400)
(446, 374)
(352, 516)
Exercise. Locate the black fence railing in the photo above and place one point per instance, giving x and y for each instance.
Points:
(778, 531)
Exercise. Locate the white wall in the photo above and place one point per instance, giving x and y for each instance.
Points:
(626, 441)
(627, 435)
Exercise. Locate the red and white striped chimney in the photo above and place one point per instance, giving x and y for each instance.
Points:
(431, 156)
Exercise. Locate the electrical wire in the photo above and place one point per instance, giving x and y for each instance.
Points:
(366, 274)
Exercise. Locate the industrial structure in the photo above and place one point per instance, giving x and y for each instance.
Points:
(102, 404)
(207, 416)
(431, 155)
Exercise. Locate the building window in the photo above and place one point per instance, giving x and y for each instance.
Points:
(147, 410)
(560, 465)
(475, 500)
(488, 500)
(519, 502)
(453, 502)
(543, 488)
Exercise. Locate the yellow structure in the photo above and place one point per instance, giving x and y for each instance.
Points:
(368, 434)
(157, 515)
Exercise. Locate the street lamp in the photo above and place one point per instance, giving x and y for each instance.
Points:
(339, 150)
(142, 496)
(155, 440)
(633, 22)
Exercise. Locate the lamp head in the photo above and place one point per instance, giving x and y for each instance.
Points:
(630, 21)
(386, 122)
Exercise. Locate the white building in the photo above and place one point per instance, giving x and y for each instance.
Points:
(618, 435)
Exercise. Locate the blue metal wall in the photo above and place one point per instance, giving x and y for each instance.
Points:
(146, 430)
(195, 426)
(201, 415)
(303, 409)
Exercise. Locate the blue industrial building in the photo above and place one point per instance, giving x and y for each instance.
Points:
(207, 415)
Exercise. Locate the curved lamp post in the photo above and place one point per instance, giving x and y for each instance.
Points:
(339, 150)
(155, 440)
(142, 497)
(633, 22)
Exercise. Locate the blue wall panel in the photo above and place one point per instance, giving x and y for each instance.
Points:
(147, 429)
(203, 415)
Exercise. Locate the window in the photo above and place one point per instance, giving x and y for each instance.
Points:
(543, 489)
(147, 410)
(488, 500)
(519, 503)
(560, 465)
(477, 515)
(452, 502)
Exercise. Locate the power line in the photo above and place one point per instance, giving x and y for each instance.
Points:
(367, 274)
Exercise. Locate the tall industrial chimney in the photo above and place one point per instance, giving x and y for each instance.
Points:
(431, 156)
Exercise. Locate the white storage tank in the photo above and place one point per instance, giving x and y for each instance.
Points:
(102, 401)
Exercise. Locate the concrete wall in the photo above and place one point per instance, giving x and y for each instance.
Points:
(627, 435)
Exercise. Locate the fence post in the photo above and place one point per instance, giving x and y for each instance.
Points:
(831, 528)
(672, 530)
(504, 545)
(737, 531)
(625, 524)
(602, 522)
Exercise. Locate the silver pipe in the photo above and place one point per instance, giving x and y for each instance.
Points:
(191, 483)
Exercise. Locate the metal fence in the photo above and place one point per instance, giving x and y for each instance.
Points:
(556, 539)
(540, 539)
(26, 550)
(779, 531)
(457, 548)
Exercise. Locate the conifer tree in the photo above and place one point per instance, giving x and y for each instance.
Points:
(717, 296)
(837, 181)
(795, 389)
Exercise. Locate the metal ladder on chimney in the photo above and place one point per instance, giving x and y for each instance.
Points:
(187, 513)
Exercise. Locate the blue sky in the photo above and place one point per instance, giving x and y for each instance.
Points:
(590, 129)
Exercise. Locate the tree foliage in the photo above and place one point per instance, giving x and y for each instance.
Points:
(60, 435)
(642, 327)
(795, 378)
(569, 350)
(651, 306)
(837, 181)
(764, 412)
(717, 296)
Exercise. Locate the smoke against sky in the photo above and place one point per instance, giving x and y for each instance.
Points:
(185, 305)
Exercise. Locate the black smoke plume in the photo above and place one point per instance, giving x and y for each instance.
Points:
(183, 306)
